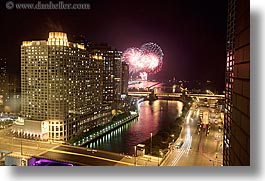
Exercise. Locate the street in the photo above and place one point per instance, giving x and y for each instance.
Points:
(201, 146)
(198, 149)
(76, 155)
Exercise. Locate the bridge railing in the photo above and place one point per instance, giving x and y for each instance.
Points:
(159, 94)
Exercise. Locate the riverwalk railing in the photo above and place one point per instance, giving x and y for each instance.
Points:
(95, 135)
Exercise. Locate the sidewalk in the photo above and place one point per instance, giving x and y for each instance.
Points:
(145, 160)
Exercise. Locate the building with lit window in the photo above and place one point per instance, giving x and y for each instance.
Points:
(125, 78)
(61, 86)
(14, 94)
(112, 72)
(3, 84)
(237, 91)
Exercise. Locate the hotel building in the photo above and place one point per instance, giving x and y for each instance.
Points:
(61, 89)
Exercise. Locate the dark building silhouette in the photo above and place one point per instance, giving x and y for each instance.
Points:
(3, 75)
(125, 78)
(14, 94)
(81, 39)
(3, 84)
(237, 91)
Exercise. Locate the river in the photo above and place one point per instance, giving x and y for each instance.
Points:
(153, 116)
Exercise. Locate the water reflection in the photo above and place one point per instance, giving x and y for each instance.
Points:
(152, 117)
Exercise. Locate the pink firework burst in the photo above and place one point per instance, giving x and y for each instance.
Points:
(146, 59)
(131, 56)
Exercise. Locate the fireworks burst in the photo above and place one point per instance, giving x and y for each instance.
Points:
(147, 59)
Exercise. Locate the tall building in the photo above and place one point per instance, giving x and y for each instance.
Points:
(61, 89)
(237, 90)
(112, 72)
(3, 84)
(125, 78)
(14, 93)
(81, 39)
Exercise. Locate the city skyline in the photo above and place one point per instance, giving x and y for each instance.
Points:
(131, 89)
(191, 34)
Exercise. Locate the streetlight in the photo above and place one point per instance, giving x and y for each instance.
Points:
(216, 158)
(135, 155)
(151, 144)
(158, 159)
(21, 147)
(212, 161)
(160, 155)
(21, 152)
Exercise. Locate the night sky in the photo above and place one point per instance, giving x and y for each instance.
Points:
(191, 33)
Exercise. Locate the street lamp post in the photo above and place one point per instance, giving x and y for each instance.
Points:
(216, 158)
(151, 144)
(135, 155)
(21, 147)
(159, 152)
(161, 155)
(212, 161)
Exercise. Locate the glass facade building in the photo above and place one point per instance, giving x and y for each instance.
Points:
(237, 91)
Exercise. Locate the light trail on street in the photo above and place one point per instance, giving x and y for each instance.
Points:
(186, 137)
(199, 148)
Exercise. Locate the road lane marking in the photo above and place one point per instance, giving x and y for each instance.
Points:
(90, 156)
(45, 151)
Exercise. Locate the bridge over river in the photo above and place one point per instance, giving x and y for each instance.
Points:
(175, 95)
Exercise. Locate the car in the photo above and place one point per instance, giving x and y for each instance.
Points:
(179, 144)
(64, 143)
(92, 150)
